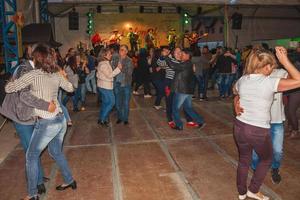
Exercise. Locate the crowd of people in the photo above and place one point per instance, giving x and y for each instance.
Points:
(36, 99)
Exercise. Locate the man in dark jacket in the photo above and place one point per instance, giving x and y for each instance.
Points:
(183, 86)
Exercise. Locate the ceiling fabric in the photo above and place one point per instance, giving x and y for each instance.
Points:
(232, 2)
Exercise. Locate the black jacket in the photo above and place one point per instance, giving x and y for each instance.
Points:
(184, 79)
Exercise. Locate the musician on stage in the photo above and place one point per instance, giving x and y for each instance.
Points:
(133, 40)
(149, 39)
(172, 37)
(194, 41)
(186, 40)
(115, 38)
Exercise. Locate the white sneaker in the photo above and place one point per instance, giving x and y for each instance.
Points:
(258, 196)
(147, 96)
(242, 197)
(157, 107)
(135, 93)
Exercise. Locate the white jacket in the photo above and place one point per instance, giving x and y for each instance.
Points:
(105, 75)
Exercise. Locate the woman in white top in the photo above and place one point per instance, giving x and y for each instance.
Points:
(50, 127)
(251, 130)
(105, 78)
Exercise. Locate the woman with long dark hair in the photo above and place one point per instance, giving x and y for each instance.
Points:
(50, 127)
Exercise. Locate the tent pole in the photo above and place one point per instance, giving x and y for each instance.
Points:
(226, 26)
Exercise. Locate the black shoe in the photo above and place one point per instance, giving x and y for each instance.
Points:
(201, 125)
(41, 188)
(177, 128)
(126, 123)
(119, 121)
(103, 123)
(46, 179)
(72, 185)
(276, 178)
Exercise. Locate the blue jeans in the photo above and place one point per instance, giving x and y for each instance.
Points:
(277, 135)
(25, 132)
(185, 100)
(47, 132)
(108, 102)
(203, 83)
(78, 95)
(63, 108)
(122, 95)
(224, 82)
(90, 82)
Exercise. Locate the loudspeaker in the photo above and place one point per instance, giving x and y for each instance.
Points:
(178, 9)
(237, 20)
(159, 9)
(141, 9)
(99, 9)
(199, 10)
(121, 9)
(73, 20)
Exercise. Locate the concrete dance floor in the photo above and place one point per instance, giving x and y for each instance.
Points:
(146, 160)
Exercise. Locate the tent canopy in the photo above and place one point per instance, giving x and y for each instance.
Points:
(238, 2)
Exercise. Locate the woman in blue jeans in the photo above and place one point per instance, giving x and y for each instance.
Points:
(50, 128)
(105, 76)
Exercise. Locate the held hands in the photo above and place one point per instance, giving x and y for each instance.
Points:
(51, 107)
(281, 54)
(120, 66)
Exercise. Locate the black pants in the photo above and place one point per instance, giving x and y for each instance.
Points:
(145, 83)
(293, 105)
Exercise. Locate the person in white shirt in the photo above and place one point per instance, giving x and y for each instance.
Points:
(256, 89)
(105, 83)
(276, 131)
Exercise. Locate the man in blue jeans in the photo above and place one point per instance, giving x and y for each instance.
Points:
(276, 131)
(184, 89)
(122, 87)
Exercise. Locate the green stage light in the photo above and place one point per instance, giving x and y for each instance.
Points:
(90, 21)
(186, 21)
(185, 15)
(89, 14)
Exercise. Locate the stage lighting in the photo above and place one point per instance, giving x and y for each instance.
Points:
(186, 21)
(185, 15)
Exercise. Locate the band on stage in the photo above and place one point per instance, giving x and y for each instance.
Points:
(149, 39)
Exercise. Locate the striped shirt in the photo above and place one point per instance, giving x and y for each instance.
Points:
(170, 73)
(42, 85)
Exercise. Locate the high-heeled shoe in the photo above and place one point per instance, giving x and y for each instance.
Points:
(72, 185)
(41, 188)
